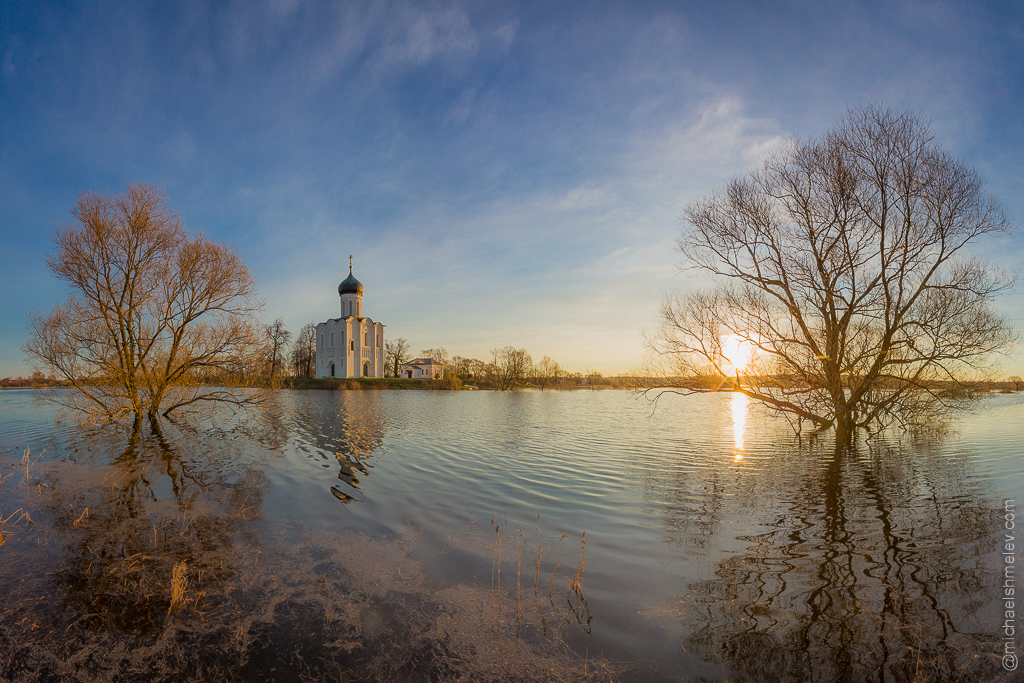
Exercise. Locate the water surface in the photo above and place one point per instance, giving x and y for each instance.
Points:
(391, 534)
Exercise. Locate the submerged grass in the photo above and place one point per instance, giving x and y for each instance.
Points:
(542, 614)
(199, 588)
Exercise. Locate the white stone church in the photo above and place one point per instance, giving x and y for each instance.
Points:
(350, 346)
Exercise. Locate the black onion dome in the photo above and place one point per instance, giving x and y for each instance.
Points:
(350, 285)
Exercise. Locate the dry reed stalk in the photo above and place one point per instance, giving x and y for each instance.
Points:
(497, 559)
(577, 579)
(540, 551)
(4, 521)
(581, 609)
(179, 586)
(519, 564)
(552, 581)
(27, 461)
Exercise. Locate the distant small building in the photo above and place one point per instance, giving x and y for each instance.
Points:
(423, 368)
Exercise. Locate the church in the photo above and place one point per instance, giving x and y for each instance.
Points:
(350, 346)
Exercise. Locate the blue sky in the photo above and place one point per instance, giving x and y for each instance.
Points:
(503, 173)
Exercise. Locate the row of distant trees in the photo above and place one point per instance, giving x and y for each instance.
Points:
(38, 379)
(508, 368)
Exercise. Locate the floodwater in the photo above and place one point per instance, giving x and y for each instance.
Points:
(389, 535)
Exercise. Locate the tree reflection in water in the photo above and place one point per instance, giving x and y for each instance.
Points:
(868, 564)
(86, 585)
(169, 496)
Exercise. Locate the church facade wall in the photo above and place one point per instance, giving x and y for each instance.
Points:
(351, 347)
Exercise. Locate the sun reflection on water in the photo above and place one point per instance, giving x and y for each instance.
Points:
(739, 420)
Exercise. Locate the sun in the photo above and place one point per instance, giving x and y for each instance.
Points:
(737, 352)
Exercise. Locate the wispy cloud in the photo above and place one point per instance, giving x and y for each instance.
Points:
(416, 36)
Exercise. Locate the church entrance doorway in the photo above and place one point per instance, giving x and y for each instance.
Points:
(366, 369)
(332, 369)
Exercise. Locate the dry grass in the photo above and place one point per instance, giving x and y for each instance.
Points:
(179, 587)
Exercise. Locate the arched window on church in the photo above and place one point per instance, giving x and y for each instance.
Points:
(332, 339)
(352, 345)
(366, 339)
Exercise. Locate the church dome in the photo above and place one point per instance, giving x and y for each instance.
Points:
(350, 285)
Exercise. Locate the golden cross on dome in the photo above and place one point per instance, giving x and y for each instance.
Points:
(350, 261)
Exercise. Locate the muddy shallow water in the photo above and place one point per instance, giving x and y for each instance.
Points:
(493, 536)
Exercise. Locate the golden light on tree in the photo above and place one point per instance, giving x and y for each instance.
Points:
(844, 264)
(154, 314)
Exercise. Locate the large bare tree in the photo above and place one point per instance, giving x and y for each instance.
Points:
(154, 313)
(847, 295)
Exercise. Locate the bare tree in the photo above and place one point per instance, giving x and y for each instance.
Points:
(277, 339)
(439, 355)
(546, 372)
(152, 311)
(396, 352)
(466, 368)
(1017, 381)
(510, 367)
(847, 293)
(477, 368)
(304, 352)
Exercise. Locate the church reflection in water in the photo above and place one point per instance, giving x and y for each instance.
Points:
(350, 428)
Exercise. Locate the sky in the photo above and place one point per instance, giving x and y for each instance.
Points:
(503, 173)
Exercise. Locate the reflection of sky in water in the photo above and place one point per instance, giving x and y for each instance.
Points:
(682, 547)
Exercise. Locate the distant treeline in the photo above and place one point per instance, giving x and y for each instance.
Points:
(37, 379)
(508, 368)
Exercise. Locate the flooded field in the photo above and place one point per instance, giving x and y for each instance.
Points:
(485, 536)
